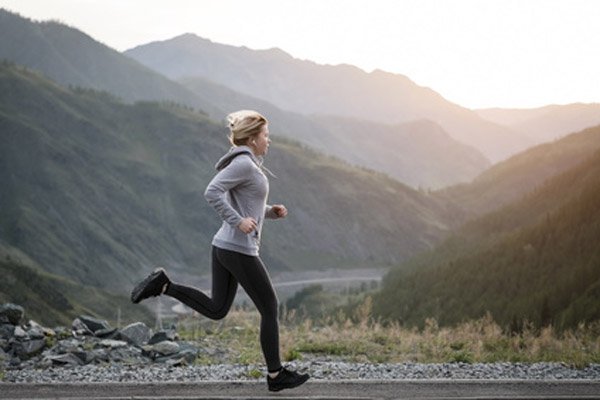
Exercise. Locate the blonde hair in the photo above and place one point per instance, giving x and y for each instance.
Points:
(243, 125)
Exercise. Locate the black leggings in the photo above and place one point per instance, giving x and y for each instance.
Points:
(229, 268)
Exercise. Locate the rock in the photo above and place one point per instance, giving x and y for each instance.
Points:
(29, 348)
(19, 333)
(101, 355)
(35, 330)
(79, 328)
(161, 336)
(165, 347)
(184, 357)
(94, 324)
(137, 333)
(86, 357)
(113, 344)
(7, 331)
(62, 332)
(109, 333)
(12, 312)
(64, 359)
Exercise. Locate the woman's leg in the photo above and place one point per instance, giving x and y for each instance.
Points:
(251, 273)
(224, 288)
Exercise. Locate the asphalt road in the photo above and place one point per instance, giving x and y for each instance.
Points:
(401, 389)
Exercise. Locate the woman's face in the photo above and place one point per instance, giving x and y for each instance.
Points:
(260, 143)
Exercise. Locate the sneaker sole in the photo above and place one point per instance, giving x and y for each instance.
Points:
(295, 385)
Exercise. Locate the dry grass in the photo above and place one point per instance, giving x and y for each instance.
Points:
(362, 339)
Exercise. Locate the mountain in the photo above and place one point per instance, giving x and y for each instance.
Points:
(418, 153)
(70, 57)
(55, 300)
(536, 259)
(309, 88)
(546, 123)
(511, 179)
(101, 191)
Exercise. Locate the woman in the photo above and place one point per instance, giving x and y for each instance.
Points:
(238, 193)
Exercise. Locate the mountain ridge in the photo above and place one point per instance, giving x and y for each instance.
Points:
(345, 91)
(511, 179)
(546, 123)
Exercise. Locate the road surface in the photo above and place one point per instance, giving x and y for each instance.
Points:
(401, 389)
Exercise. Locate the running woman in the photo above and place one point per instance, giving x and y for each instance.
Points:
(238, 193)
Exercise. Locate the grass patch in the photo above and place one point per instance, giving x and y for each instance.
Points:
(368, 340)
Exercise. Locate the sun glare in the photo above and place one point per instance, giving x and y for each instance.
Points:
(475, 53)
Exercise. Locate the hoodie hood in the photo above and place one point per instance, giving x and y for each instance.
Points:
(238, 150)
(233, 153)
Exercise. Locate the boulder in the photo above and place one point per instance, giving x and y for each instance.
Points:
(86, 357)
(94, 324)
(137, 333)
(35, 330)
(64, 359)
(19, 333)
(161, 336)
(12, 313)
(165, 347)
(7, 331)
(28, 348)
(186, 356)
(79, 328)
(109, 333)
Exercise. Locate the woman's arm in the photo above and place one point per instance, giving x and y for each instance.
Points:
(228, 178)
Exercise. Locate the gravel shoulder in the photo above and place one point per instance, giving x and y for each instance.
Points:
(319, 370)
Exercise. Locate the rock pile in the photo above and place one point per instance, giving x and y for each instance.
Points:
(88, 341)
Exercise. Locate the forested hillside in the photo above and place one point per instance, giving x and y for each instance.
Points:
(51, 299)
(537, 259)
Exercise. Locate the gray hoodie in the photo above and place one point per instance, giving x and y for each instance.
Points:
(239, 190)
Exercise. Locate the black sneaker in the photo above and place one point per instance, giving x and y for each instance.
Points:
(286, 379)
(151, 286)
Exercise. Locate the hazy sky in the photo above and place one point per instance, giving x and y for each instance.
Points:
(477, 53)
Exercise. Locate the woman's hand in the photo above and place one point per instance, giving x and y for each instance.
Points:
(247, 225)
(280, 210)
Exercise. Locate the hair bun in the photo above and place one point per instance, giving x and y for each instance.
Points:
(235, 118)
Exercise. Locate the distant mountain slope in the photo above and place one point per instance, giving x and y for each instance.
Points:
(537, 259)
(102, 192)
(511, 179)
(71, 57)
(418, 153)
(546, 123)
(308, 88)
